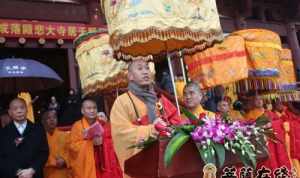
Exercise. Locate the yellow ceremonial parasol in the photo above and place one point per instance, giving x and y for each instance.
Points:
(99, 71)
(218, 65)
(142, 28)
(139, 29)
(264, 51)
(288, 90)
(287, 77)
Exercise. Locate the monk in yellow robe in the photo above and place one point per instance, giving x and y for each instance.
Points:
(91, 153)
(256, 110)
(135, 113)
(192, 96)
(57, 164)
(225, 110)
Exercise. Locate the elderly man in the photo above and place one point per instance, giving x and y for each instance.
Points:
(135, 113)
(24, 148)
(192, 96)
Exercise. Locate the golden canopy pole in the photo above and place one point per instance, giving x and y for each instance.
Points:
(173, 82)
(182, 67)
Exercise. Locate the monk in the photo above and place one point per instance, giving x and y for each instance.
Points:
(256, 108)
(92, 156)
(24, 148)
(135, 113)
(56, 166)
(278, 156)
(290, 125)
(224, 110)
(192, 96)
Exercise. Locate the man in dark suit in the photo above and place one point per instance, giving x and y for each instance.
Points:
(24, 148)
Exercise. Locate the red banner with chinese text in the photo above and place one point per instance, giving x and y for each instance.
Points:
(47, 30)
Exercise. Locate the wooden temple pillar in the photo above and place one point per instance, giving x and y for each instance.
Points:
(73, 76)
(294, 45)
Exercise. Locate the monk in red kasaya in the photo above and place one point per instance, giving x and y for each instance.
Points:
(278, 156)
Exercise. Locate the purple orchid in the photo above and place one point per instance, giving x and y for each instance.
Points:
(218, 131)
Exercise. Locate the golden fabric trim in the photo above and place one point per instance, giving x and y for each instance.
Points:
(194, 41)
(263, 45)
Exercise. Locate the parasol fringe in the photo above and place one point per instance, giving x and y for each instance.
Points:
(201, 39)
(253, 84)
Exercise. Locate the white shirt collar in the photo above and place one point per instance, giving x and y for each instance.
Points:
(21, 126)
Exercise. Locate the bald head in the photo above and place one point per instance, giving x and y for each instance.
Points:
(89, 109)
(192, 95)
(258, 101)
(88, 100)
(17, 100)
(194, 86)
(49, 120)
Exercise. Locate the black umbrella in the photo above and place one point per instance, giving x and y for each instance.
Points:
(18, 75)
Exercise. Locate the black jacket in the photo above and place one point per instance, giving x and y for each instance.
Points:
(32, 151)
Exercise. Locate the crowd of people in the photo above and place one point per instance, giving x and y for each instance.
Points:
(97, 147)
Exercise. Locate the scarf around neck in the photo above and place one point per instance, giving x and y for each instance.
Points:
(148, 96)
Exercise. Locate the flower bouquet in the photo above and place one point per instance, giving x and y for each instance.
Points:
(214, 136)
